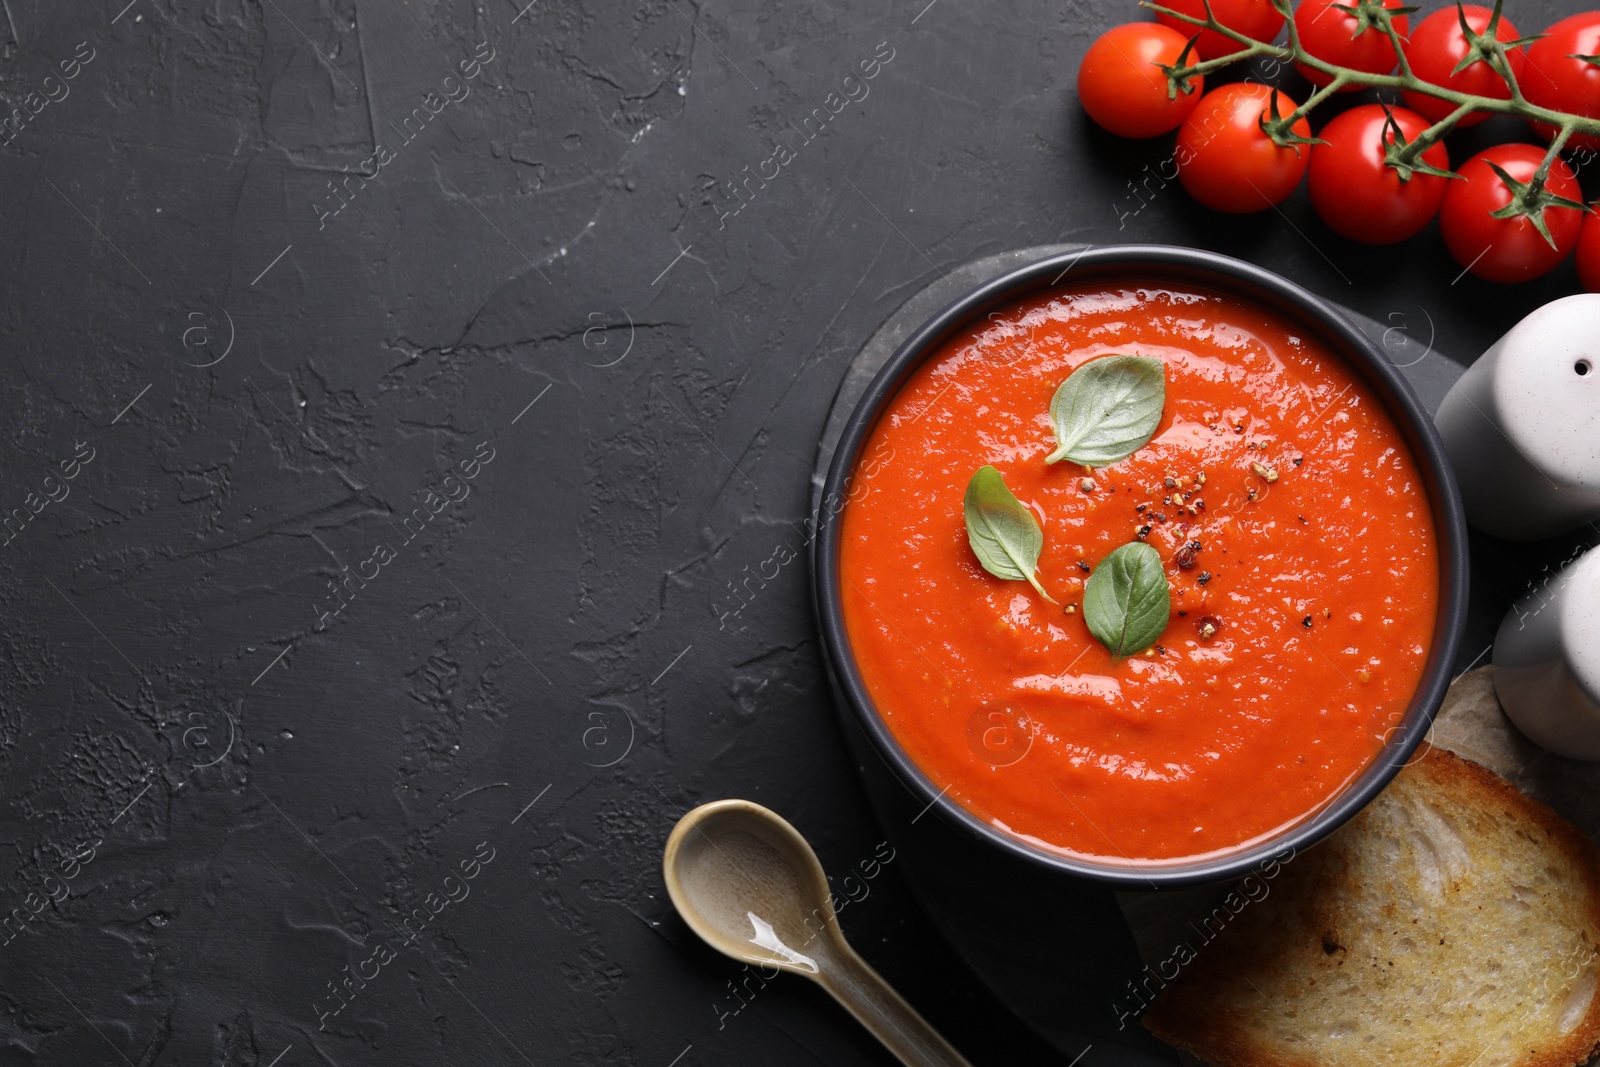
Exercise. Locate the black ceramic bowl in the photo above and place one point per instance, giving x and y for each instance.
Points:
(1153, 265)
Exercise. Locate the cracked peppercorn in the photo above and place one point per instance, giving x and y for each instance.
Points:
(1184, 557)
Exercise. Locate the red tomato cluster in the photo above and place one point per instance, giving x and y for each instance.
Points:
(1226, 160)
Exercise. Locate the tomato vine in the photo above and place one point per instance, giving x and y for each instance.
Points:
(1530, 198)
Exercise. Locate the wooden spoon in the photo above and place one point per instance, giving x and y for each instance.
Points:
(750, 886)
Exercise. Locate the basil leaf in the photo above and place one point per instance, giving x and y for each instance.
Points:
(1001, 530)
(1127, 601)
(1108, 409)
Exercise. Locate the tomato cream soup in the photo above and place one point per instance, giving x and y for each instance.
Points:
(1295, 533)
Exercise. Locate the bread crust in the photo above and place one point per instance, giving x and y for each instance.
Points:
(1187, 1016)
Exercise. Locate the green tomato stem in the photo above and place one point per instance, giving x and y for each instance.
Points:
(1556, 145)
(1286, 9)
(1387, 23)
(1207, 66)
(1340, 80)
(1433, 134)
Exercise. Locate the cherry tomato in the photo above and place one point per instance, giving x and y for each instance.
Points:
(1555, 76)
(1589, 253)
(1507, 250)
(1124, 89)
(1436, 46)
(1357, 194)
(1329, 33)
(1227, 162)
(1253, 18)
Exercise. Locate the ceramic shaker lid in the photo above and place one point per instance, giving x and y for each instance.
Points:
(1547, 389)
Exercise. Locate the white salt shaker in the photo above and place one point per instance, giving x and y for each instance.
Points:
(1547, 661)
(1522, 426)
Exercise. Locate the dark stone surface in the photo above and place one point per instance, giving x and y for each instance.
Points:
(239, 781)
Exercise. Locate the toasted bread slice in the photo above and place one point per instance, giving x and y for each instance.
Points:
(1453, 923)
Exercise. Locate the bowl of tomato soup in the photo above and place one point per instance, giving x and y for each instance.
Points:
(1291, 495)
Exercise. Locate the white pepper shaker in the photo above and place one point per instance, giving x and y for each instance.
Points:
(1547, 661)
(1522, 426)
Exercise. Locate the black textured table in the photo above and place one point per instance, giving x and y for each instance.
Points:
(396, 395)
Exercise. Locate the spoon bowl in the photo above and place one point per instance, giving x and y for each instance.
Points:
(750, 886)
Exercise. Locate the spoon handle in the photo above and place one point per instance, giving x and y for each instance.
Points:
(873, 1002)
